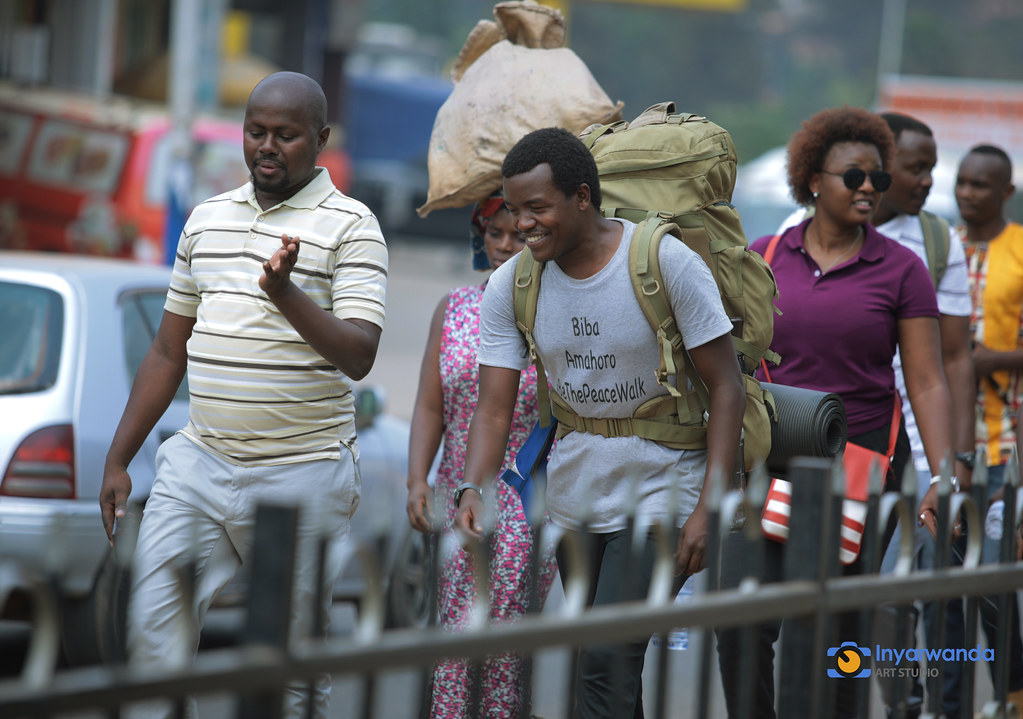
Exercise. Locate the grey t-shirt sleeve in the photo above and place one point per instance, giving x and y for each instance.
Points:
(501, 343)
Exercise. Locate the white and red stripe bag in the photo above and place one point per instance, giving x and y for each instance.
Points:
(775, 520)
(857, 463)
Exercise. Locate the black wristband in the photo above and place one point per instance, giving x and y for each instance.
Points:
(967, 459)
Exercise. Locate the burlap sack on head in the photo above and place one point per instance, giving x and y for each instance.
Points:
(511, 78)
(530, 24)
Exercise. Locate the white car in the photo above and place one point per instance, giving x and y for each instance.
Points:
(75, 329)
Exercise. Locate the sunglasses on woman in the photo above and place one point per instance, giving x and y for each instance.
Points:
(854, 177)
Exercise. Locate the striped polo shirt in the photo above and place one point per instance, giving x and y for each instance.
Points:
(259, 395)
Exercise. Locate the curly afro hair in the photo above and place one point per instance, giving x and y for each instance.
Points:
(810, 144)
(571, 163)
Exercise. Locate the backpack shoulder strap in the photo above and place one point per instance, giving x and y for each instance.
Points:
(648, 284)
(936, 243)
(525, 293)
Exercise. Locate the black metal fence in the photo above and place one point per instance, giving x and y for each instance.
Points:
(811, 594)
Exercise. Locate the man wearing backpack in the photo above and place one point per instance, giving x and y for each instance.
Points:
(599, 351)
(900, 216)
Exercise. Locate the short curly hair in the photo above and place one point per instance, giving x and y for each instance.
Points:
(571, 163)
(809, 145)
(998, 153)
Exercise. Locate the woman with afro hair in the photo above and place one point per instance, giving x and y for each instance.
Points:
(849, 298)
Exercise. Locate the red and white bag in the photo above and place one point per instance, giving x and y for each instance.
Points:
(857, 462)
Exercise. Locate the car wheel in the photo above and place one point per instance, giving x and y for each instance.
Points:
(411, 587)
(93, 627)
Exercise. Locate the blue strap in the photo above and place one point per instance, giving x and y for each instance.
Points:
(531, 461)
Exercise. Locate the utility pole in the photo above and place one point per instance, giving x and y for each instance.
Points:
(183, 93)
(889, 54)
(103, 75)
(194, 82)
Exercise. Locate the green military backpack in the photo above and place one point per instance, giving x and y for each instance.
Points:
(673, 174)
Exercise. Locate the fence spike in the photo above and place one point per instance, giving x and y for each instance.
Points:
(44, 646)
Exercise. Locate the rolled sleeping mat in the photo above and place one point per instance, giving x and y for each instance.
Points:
(810, 424)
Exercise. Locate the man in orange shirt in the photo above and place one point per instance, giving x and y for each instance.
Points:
(994, 254)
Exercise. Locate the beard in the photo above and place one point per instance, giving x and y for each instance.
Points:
(274, 185)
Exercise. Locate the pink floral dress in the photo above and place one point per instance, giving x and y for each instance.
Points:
(501, 675)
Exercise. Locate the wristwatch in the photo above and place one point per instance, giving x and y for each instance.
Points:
(460, 490)
(968, 459)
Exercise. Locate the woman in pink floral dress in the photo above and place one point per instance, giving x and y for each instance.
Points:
(444, 405)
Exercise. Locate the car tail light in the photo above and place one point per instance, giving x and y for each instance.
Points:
(43, 465)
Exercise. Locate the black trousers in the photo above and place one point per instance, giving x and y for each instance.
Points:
(847, 624)
(609, 677)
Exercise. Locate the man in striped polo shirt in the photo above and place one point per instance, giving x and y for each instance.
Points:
(271, 329)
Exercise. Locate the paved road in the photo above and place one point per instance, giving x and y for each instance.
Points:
(421, 273)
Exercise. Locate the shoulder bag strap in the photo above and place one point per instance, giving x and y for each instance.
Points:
(769, 251)
(893, 436)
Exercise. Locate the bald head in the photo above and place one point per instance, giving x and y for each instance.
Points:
(292, 89)
(284, 131)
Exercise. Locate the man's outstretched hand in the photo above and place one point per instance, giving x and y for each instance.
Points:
(277, 270)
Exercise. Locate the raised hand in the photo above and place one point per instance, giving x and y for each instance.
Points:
(277, 270)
